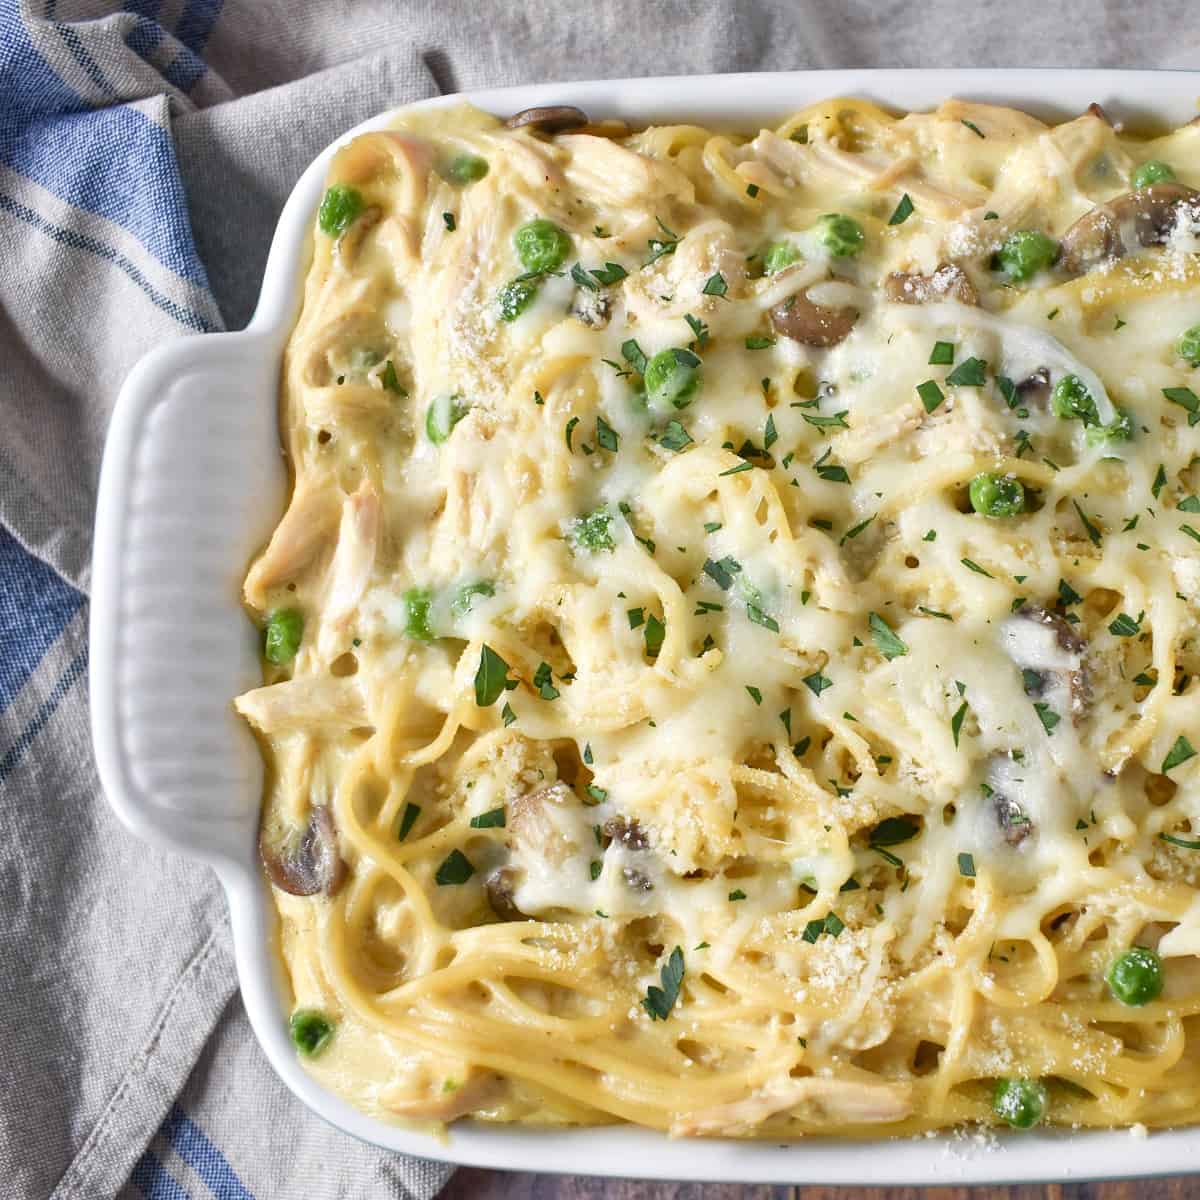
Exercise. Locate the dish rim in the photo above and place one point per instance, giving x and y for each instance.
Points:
(228, 846)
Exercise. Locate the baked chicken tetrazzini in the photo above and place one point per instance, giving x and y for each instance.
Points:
(731, 649)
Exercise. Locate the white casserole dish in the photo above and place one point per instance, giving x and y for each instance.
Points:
(192, 485)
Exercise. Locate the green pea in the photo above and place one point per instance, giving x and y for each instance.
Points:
(997, 495)
(1154, 171)
(1019, 1102)
(516, 296)
(339, 209)
(779, 255)
(464, 597)
(1025, 253)
(311, 1031)
(281, 639)
(1119, 429)
(466, 168)
(1188, 346)
(842, 236)
(592, 531)
(1136, 977)
(541, 245)
(417, 602)
(1071, 401)
(672, 377)
(442, 416)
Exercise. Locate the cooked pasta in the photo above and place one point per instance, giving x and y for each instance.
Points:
(731, 649)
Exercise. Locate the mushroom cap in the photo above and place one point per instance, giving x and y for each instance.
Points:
(948, 282)
(552, 118)
(798, 318)
(304, 862)
(1146, 215)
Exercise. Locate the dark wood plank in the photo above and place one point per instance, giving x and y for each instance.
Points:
(470, 1184)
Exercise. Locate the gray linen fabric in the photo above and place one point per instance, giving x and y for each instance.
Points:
(129, 1067)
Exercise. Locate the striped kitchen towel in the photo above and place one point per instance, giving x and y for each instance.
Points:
(145, 151)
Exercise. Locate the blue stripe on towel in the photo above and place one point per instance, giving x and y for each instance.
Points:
(35, 606)
(78, 241)
(151, 1178)
(69, 678)
(114, 162)
(192, 1145)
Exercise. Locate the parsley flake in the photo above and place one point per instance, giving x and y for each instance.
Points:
(660, 1000)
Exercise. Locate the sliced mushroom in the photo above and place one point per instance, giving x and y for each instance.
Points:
(1109, 230)
(553, 118)
(533, 828)
(500, 888)
(629, 833)
(800, 319)
(1050, 654)
(304, 862)
(948, 282)
(592, 308)
(541, 827)
(1001, 784)
(1035, 388)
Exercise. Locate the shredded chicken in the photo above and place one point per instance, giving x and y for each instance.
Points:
(611, 174)
(353, 561)
(311, 703)
(833, 1099)
(303, 530)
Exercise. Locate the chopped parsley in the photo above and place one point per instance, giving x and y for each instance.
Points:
(660, 246)
(737, 894)
(568, 431)
(770, 436)
(969, 373)
(759, 341)
(449, 221)
(407, 820)
(956, 722)
(933, 612)
(1180, 752)
(966, 865)
(637, 618)
(830, 471)
(972, 127)
(660, 1000)
(831, 924)
(675, 437)
(598, 794)
(389, 380)
(1048, 717)
(1092, 532)
(699, 329)
(507, 714)
(931, 395)
(655, 632)
(817, 683)
(756, 614)
(1125, 626)
(850, 534)
(1067, 594)
(606, 435)
(942, 354)
(455, 869)
(492, 819)
(755, 694)
(837, 421)
(971, 565)
(542, 681)
(890, 646)
(1185, 398)
(722, 571)
(903, 211)
(490, 677)
(634, 355)
(743, 466)
(715, 285)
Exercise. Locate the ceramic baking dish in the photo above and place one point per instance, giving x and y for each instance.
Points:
(192, 485)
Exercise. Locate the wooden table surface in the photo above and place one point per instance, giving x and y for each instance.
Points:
(470, 1184)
